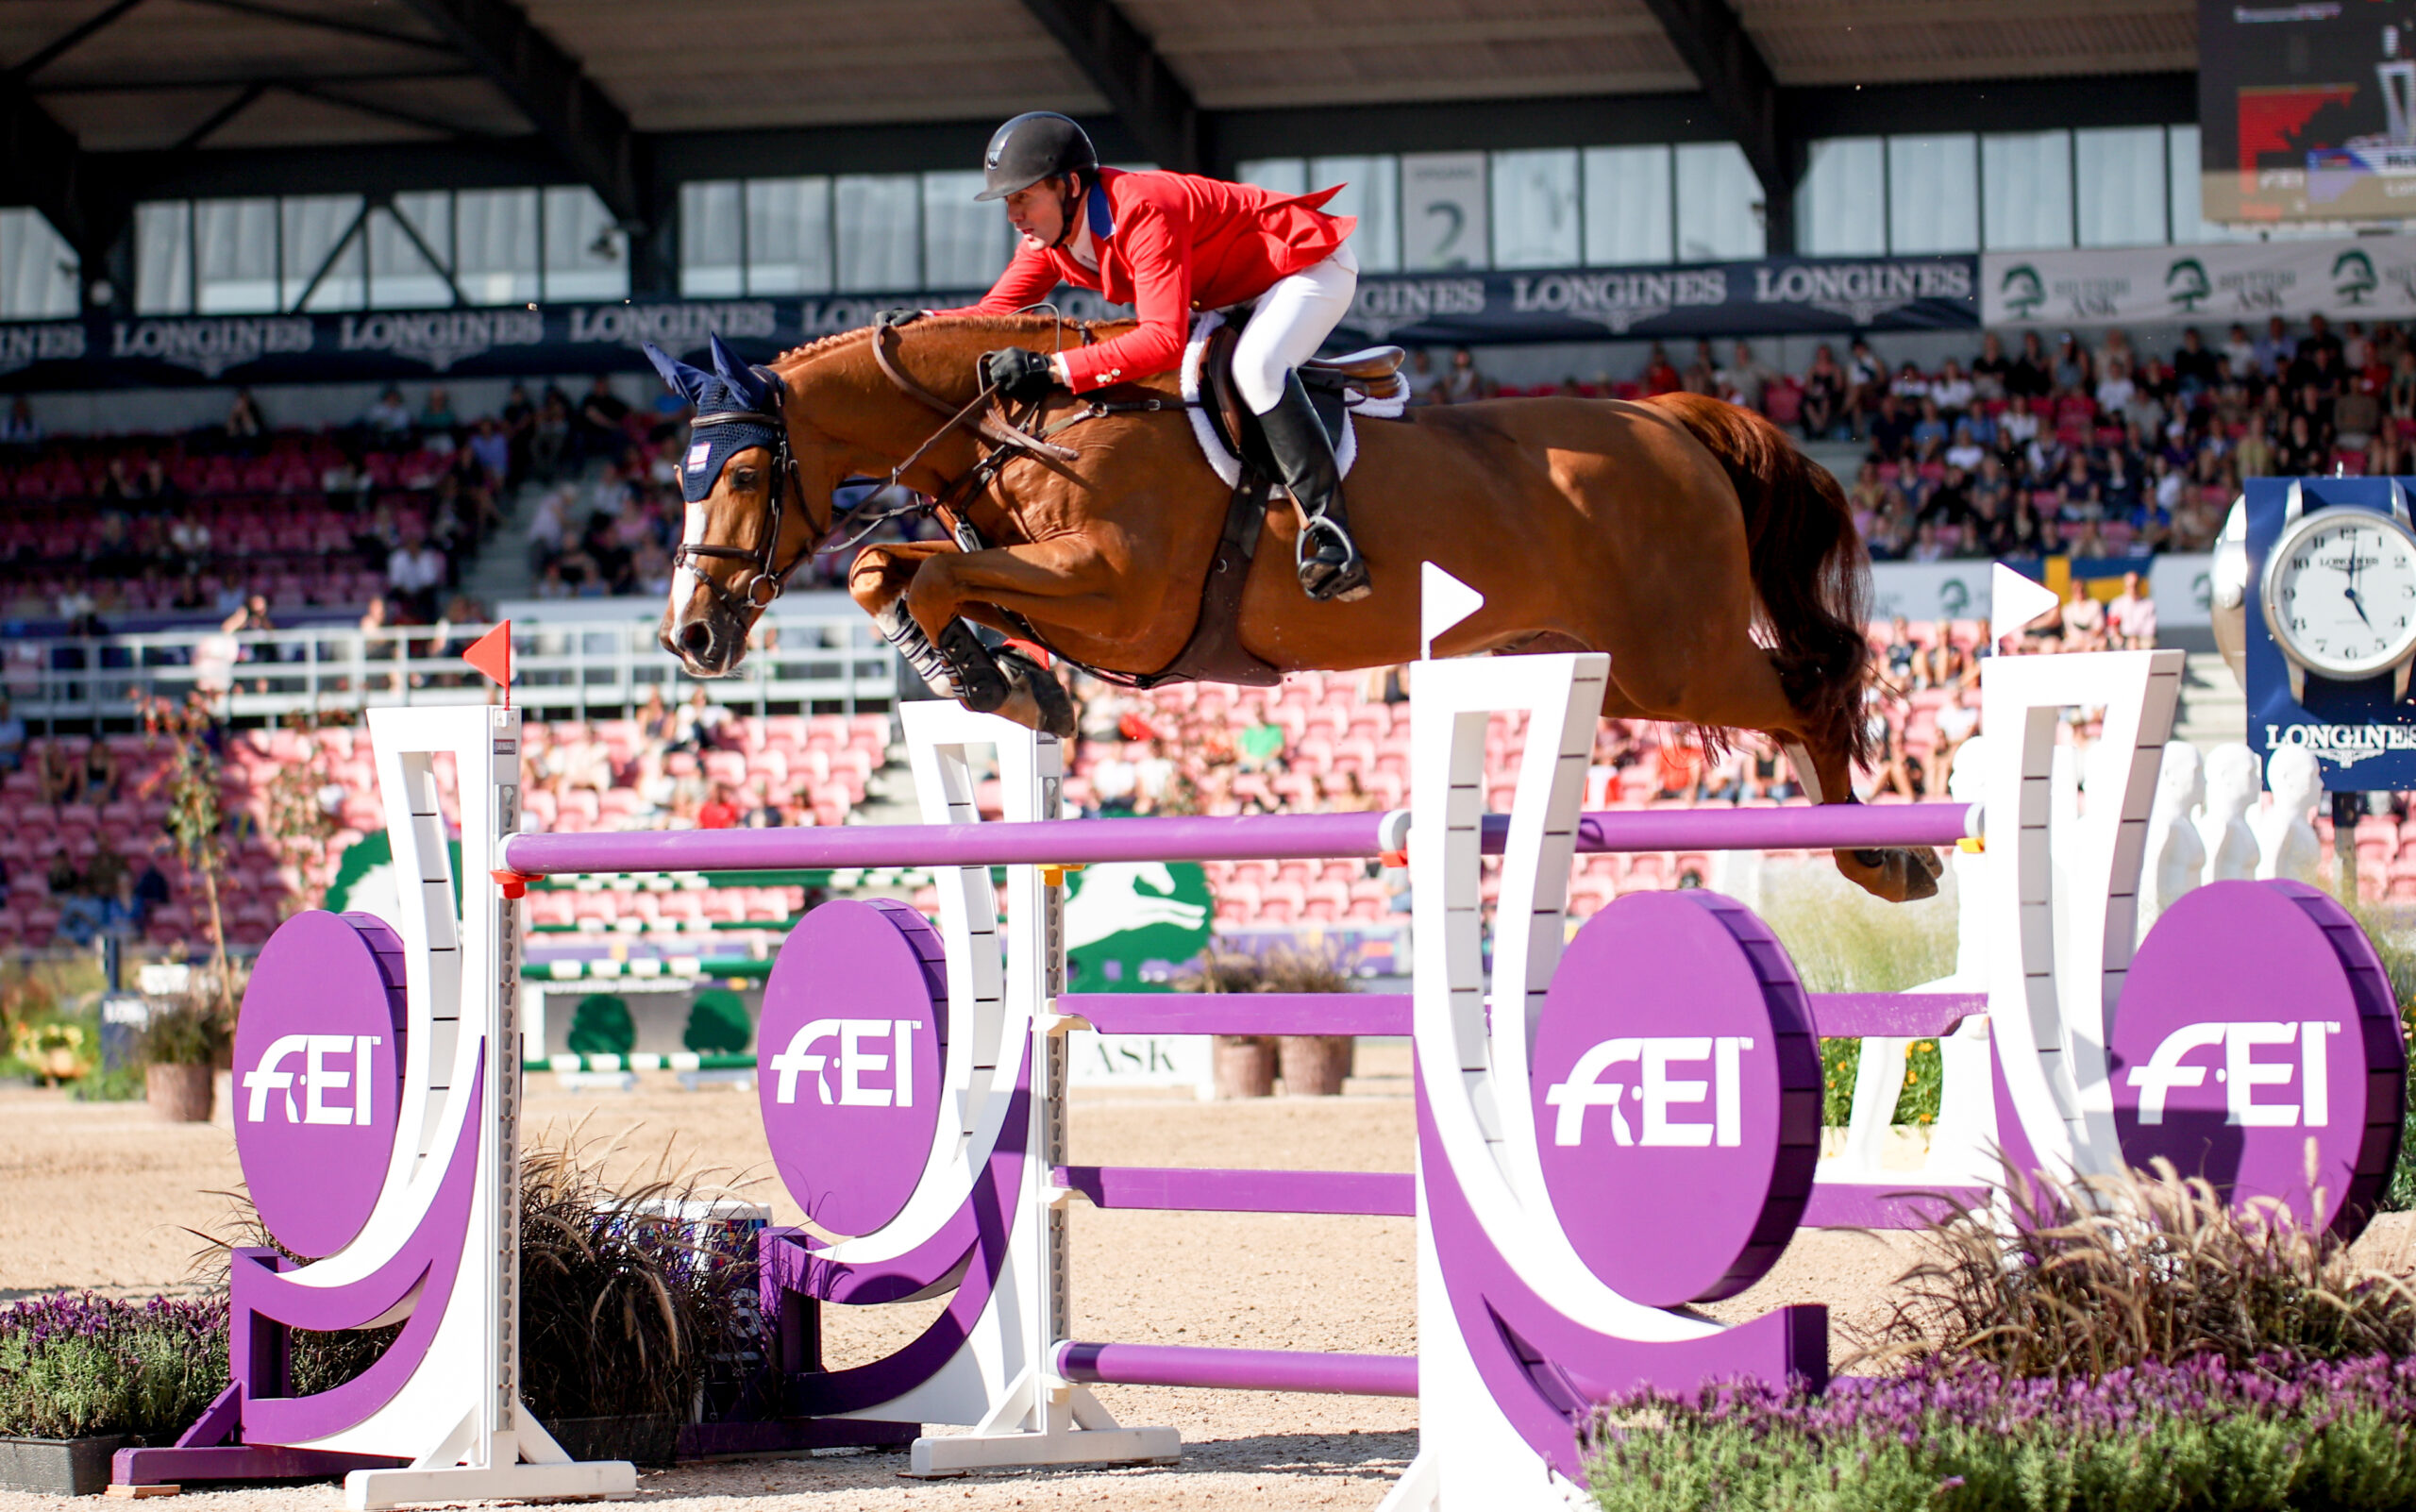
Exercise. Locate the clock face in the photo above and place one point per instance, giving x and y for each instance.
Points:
(2341, 593)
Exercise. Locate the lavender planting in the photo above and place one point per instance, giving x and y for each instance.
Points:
(75, 1366)
(2205, 1436)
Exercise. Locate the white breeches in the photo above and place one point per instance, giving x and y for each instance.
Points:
(1293, 319)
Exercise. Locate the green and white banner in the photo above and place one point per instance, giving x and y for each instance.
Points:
(2364, 278)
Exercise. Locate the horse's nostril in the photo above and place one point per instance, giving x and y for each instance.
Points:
(696, 638)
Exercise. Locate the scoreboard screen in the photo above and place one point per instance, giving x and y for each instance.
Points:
(2307, 110)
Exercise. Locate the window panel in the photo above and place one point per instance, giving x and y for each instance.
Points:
(1370, 190)
(586, 255)
(1718, 204)
(496, 241)
(1841, 207)
(788, 236)
(2190, 223)
(401, 277)
(1628, 218)
(878, 235)
(38, 269)
(163, 258)
(237, 243)
(1534, 209)
(1934, 193)
(965, 243)
(315, 224)
(1281, 176)
(2026, 190)
(2122, 196)
(713, 245)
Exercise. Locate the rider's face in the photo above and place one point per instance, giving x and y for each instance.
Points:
(1039, 213)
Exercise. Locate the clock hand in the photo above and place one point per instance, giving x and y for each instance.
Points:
(2360, 605)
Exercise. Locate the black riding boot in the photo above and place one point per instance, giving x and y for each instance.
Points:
(1328, 560)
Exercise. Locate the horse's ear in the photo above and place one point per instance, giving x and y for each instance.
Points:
(739, 374)
(676, 376)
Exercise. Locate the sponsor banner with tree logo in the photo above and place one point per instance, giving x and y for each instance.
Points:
(2353, 277)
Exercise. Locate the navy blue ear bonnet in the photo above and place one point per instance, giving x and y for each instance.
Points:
(738, 406)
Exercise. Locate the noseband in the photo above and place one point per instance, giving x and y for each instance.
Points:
(765, 580)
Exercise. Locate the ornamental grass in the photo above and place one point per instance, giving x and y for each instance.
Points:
(2109, 1344)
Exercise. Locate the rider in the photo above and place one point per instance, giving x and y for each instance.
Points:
(1170, 243)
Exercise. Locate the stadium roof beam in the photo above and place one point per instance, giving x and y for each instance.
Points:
(42, 165)
(67, 39)
(1124, 65)
(334, 24)
(1739, 87)
(569, 110)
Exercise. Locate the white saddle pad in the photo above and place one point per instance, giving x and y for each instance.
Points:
(1229, 466)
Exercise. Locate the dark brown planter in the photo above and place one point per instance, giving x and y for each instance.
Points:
(1245, 1067)
(641, 1440)
(58, 1467)
(180, 1094)
(1313, 1065)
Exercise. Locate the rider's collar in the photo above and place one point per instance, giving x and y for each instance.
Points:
(1103, 219)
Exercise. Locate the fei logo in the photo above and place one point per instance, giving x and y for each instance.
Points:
(2241, 1073)
(851, 1055)
(855, 1063)
(1656, 1092)
(2208, 1074)
(1705, 1138)
(317, 1078)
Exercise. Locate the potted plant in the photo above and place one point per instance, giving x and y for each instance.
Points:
(180, 1050)
(1244, 1063)
(1313, 1065)
(81, 1375)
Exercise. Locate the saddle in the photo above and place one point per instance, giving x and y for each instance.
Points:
(1215, 652)
(1372, 373)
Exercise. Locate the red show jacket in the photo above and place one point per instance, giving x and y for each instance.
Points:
(1170, 243)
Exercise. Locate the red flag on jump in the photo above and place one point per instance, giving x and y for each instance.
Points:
(491, 654)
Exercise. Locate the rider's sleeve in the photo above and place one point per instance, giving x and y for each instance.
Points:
(1159, 254)
(1029, 278)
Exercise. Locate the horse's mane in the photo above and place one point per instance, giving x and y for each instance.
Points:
(1016, 324)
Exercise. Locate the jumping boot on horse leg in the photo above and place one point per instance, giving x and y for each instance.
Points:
(1328, 560)
(981, 684)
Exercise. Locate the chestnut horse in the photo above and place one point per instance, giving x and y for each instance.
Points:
(1685, 537)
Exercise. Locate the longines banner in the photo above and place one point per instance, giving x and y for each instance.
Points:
(1707, 299)
(2352, 277)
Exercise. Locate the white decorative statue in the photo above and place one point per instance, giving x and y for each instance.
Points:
(2231, 790)
(2176, 855)
(2286, 841)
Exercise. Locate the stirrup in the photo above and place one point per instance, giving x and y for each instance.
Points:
(1333, 569)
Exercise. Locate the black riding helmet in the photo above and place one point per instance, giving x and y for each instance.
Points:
(1034, 145)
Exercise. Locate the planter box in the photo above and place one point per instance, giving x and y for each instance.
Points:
(180, 1094)
(640, 1441)
(61, 1467)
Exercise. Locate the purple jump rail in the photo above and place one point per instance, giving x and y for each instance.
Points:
(1247, 837)
(1171, 1365)
(1196, 1190)
(1838, 1015)
(1240, 1012)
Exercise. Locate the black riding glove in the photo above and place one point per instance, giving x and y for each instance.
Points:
(896, 315)
(1018, 372)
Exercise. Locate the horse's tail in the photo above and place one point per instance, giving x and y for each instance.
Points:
(1807, 560)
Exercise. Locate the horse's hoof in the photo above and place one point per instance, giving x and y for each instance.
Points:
(1898, 876)
(1050, 706)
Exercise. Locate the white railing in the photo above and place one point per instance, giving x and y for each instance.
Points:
(585, 668)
